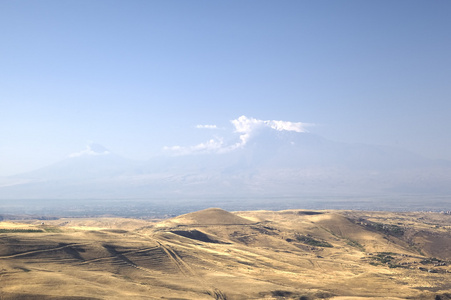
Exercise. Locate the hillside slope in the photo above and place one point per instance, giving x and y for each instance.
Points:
(215, 254)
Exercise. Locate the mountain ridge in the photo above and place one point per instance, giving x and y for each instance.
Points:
(269, 164)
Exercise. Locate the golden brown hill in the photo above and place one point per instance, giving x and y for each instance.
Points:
(210, 216)
(215, 254)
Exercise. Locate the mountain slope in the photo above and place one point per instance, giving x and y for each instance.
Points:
(271, 163)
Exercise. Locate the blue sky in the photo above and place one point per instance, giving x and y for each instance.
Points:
(136, 76)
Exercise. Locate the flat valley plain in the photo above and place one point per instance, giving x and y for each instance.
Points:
(216, 254)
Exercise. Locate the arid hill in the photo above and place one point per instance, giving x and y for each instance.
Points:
(210, 216)
(215, 254)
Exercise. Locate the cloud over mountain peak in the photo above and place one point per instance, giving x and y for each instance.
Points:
(248, 126)
(245, 127)
(91, 149)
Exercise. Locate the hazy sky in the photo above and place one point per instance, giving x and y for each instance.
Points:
(138, 76)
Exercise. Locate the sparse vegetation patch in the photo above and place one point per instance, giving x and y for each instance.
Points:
(265, 230)
(386, 258)
(306, 239)
(433, 261)
(355, 244)
(52, 229)
(390, 229)
(282, 293)
(19, 230)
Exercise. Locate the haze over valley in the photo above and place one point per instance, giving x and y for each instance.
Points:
(262, 162)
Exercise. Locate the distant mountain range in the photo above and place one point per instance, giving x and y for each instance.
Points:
(272, 163)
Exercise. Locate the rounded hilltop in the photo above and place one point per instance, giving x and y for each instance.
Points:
(210, 216)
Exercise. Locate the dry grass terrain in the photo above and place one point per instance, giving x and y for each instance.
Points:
(215, 254)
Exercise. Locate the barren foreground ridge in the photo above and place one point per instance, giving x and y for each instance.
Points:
(215, 254)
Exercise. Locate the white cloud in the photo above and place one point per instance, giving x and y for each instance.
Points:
(288, 126)
(245, 127)
(92, 149)
(208, 146)
(206, 126)
(213, 145)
